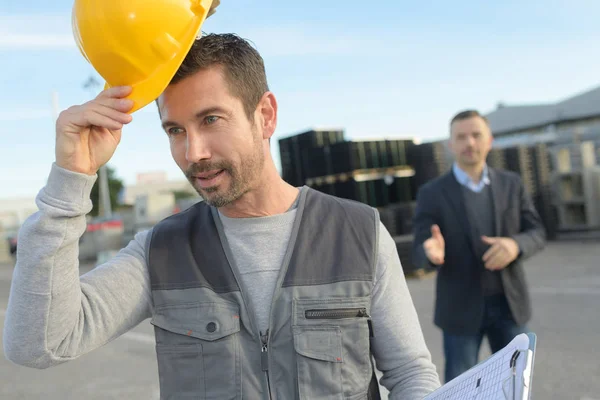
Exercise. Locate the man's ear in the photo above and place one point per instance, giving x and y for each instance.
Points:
(267, 109)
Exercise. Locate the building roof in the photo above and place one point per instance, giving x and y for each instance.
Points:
(507, 119)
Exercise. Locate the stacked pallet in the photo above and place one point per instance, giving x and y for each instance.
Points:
(371, 154)
(374, 172)
(496, 159)
(542, 199)
(302, 154)
(532, 163)
(518, 159)
(429, 161)
(574, 184)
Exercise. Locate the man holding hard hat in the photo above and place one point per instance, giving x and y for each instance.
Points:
(261, 291)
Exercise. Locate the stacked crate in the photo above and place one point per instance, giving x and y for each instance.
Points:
(496, 159)
(298, 152)
(373, 192)
(404, 214)
(374, 172)
(360, 155)
(518, 159)
(542, 198)
(429, 161)
(574, 186)
(532, 163)
(401, 190)
(404, 246)
(291, 161)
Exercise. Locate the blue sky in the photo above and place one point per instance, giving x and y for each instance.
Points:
(397, 69)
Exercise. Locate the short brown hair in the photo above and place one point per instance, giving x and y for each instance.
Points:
(466, 114)
(243, 66)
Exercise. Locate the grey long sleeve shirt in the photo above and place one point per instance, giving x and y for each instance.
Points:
(55, 315)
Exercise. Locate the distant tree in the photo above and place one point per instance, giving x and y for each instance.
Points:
(182, 194)
(115, 185)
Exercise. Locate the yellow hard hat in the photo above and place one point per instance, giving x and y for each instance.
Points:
(138, 43)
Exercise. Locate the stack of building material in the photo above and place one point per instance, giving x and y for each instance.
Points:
(574, 184)
(301, 155)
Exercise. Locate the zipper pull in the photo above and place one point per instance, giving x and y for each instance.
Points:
(264, 352)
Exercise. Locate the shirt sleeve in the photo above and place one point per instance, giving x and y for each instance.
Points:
(55, 315)
(399, 346)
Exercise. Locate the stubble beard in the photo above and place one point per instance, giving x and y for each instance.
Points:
(241, 178)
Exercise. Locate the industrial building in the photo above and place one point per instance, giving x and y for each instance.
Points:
(577, 115)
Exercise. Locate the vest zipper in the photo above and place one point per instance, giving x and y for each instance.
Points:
(338, 313)
(264, 358)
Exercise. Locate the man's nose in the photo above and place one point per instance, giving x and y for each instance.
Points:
(470, 141)
(197, 147)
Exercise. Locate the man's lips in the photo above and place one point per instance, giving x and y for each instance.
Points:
(208, 174)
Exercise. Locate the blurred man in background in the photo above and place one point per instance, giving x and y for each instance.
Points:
(476, 225)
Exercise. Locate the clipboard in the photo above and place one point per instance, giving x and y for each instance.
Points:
(506, 375)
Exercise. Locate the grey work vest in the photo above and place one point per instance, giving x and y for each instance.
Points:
(318, 344)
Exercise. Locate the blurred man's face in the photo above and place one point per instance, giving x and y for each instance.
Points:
(470, 141)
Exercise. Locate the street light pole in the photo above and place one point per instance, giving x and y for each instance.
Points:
(105, 208)
(105, 192)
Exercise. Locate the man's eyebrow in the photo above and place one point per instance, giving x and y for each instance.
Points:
(199, 115)
(210, 110)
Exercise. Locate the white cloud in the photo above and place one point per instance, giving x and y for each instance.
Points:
(36, 41)
(36, 31)
(22, 114)
(29, 23)
(277, 41)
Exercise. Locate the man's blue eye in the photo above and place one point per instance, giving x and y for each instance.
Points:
(211, 119)
(174, 131)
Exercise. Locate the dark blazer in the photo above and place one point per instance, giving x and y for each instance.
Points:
(459, 294)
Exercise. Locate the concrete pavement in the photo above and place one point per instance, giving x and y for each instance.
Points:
(565, 285)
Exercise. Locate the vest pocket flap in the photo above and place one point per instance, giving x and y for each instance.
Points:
(319, 343)
(206, 321)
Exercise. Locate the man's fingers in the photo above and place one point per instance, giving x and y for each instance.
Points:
(434, 253)
(104, 108)
(431, 244)
(115, 92)
(434, 256)
(491, 252)
(112, 113)
(122, 105)
(437, 259)
(436, 232)
(91, 117)
(97, 119)
(495, 257)
(496, 262)
(489, 240)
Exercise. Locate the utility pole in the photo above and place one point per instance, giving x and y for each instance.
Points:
(55, 107)
(104, 208)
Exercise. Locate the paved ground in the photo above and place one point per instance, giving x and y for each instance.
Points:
(565, 282)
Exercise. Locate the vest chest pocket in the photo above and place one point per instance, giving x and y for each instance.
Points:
(197, 350)
(332, 343)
